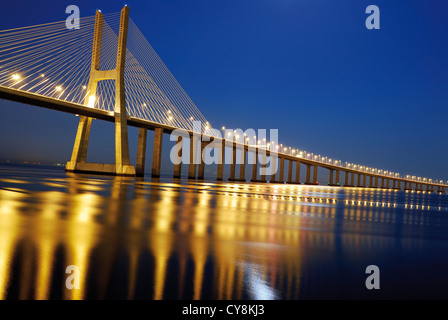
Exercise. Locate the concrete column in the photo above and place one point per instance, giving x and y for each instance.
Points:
(233, 164)
(352, 182)
(178, 157)
(193, 156)
(201, 168)
(141, 151)
(157, 152)
(346, 178)
(282, 170)
(359, 181)
(290, 171)
(221, 152)
(254, 165)
(387, 183)
(376, 182)
(243, 164)
(308, 174)
(364, 180)
(330, 183)
(273, 165)
(263, 165)
(122, 164)
(337, 178)
(315, 176)
(297, 172)
(79, 152)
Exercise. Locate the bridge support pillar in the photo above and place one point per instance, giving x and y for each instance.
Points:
(308, 174)
(193, 156)
(141, 151)
(337, 178)
(263, 165)
(363, 181)
(201, 168)
(243, 165)
(330, 180)
(290, 171)
(297, 181)
(358, 184)
(254, 165)
(221, 152)
(233, 164)
(157, 152)
(282, 170)
(273, 167)
(178, 158)
(352, 179)
(122, 164)
(79, 152)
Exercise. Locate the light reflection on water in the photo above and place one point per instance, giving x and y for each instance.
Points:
(141, 239)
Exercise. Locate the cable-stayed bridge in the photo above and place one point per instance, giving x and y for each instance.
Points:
(107, 70)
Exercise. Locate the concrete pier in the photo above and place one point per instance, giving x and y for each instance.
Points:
(141, 151)
(157, 152)
(178, 158)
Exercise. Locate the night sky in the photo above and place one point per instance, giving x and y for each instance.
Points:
(307, 67)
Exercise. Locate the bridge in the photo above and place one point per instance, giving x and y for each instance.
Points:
(107, 70)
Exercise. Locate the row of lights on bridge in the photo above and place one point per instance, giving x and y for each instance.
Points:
(279, 148)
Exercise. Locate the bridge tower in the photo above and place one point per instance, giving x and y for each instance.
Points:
(122, 164)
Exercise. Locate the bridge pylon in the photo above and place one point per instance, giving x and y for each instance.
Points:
(122, 164)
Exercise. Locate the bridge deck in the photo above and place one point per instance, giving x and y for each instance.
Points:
(74, 108)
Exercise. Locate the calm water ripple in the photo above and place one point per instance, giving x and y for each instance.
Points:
(137, 238)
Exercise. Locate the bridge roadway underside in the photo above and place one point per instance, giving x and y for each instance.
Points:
(73, 108)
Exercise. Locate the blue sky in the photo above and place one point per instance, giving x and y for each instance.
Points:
(307, 67)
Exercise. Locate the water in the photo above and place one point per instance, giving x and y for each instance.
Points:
(172, 239)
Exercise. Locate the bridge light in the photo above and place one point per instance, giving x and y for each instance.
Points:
(84, 87)
(91, 102)
(42, 75)
(15, 76)
(191, 118)
(171, 118)
(223, 128)
(59, 88)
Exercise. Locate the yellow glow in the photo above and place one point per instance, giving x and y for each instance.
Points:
(58, 88)
(91, 102)
(15, 76)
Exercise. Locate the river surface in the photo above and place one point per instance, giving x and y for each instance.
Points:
(132, 238)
